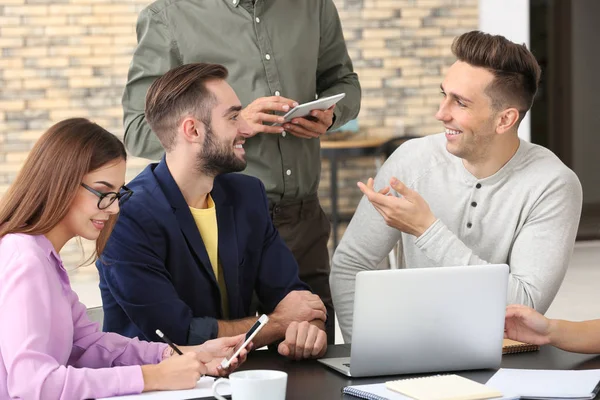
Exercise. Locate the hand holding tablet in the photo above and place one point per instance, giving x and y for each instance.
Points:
(303, 110)
(263, 112)
(312, 120)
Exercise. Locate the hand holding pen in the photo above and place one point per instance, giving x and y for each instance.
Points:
(169, 342)
(179, 372)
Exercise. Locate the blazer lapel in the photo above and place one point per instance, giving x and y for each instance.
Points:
(228, 249)
(184, 216)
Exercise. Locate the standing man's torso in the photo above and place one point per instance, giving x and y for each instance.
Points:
(270, 48)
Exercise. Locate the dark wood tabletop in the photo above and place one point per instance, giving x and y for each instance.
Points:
(310, 380)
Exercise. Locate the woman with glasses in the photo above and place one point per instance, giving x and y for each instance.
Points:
(71, 185)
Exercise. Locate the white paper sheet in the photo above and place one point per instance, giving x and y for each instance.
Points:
(550, 384)
(202, 389)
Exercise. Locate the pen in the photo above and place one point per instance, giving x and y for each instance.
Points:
(168, 341)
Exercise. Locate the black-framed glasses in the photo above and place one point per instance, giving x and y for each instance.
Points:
(106, 199)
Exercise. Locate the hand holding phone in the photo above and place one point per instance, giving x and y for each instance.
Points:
(258, 325)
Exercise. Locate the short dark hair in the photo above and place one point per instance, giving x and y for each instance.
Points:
(515, 69)
(179, 92)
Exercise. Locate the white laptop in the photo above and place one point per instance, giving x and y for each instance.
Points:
(426, 320)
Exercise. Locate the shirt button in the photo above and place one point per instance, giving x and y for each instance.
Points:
(268, 56)
(469, 225)
(277, 93)
(283, 134)
(235, 2)
(473, 204)
(478, 186)
(257, 20)
(288, 172)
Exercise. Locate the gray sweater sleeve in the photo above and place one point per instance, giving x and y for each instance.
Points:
(366, 242)
(538, 259)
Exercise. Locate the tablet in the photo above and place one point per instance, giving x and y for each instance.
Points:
(320, 104)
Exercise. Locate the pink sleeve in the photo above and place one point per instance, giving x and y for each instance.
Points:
(31, 344)
(95, 349)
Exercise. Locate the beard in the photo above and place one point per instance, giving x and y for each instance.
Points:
(216, 157)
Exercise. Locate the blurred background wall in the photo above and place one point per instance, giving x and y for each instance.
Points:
(69, 58)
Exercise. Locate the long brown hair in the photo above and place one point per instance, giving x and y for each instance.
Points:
(42, 194)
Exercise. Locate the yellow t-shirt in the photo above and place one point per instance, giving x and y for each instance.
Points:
(206, 221)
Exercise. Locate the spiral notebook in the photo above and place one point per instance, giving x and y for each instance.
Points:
(437, 387)
(512, 346)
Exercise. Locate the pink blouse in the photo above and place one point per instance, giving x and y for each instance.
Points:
(49, 349)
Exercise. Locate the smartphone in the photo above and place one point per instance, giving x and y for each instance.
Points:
(304, 110)
(258, 325)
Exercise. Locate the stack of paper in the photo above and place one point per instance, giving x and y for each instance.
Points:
(546, 384)
(203, 389)
(443, 387)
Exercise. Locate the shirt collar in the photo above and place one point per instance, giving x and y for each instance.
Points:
(49, 251)
(502, 173)
(45, 245)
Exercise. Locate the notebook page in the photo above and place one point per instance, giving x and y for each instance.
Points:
(546, 383)
(443, 387)
(375, 390)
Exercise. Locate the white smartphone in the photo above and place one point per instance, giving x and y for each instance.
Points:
(258, 325)
(320, 104)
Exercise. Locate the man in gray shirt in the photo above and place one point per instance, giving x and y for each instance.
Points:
(475, 194)
(278, 53)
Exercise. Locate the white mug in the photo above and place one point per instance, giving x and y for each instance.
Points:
(260, 384)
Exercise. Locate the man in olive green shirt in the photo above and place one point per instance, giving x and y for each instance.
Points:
(279, 53)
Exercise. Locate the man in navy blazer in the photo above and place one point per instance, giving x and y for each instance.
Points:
(194, 242)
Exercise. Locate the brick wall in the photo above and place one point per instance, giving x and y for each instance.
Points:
(400, 50)
(67, 58)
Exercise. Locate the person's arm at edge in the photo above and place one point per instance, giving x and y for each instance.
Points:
(155, 54)
(524, 324)
(578, 337)
(335, 73)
